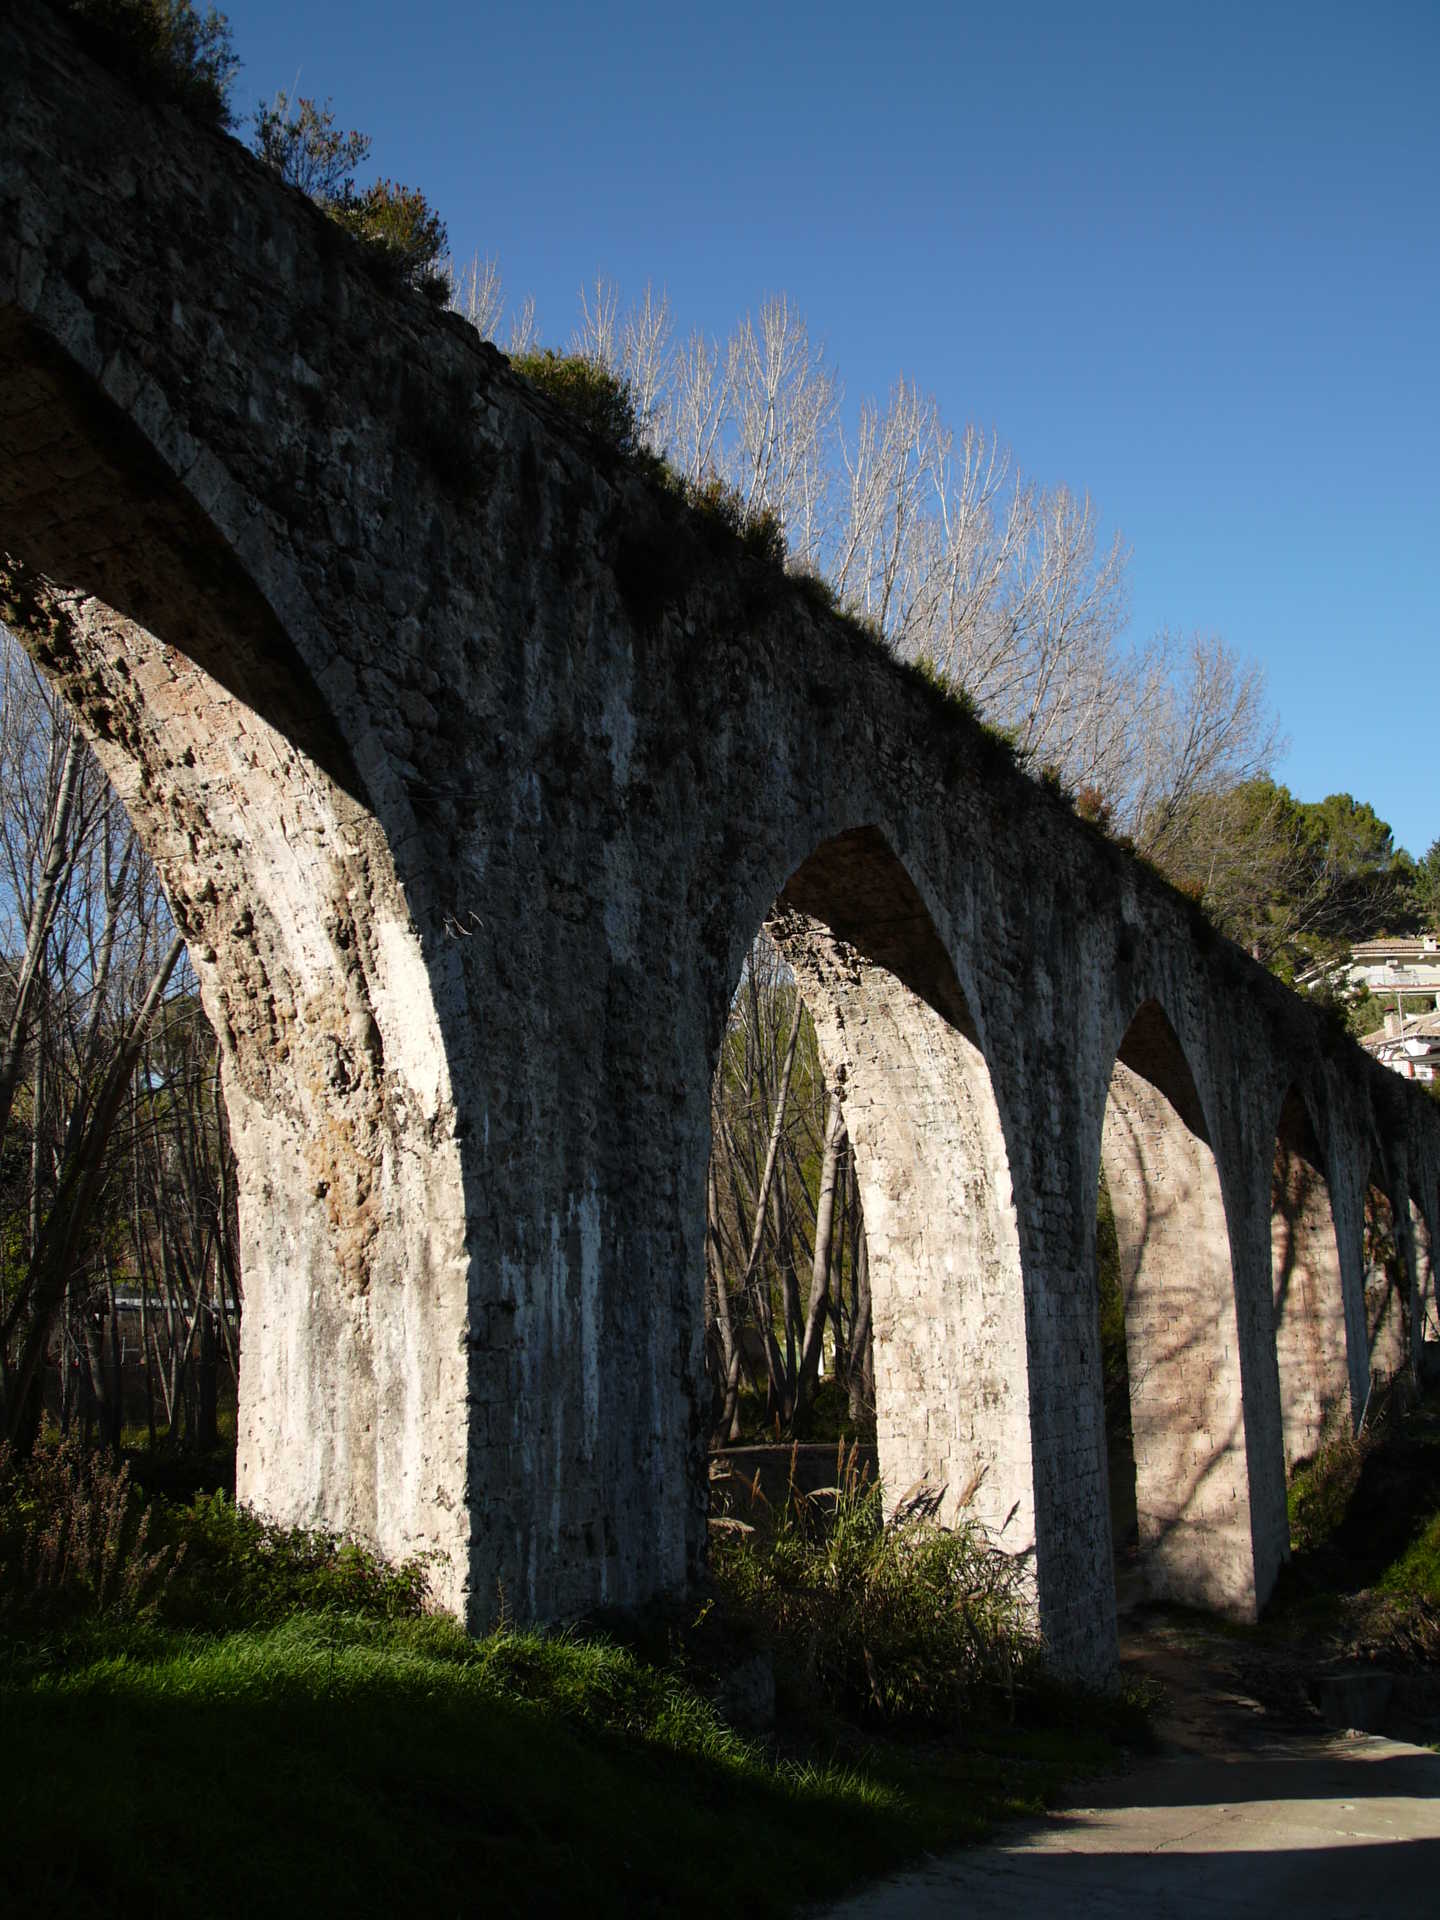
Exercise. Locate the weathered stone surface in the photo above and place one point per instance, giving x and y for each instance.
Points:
(472, 763)
(1187, 1411)
(1309, 1300)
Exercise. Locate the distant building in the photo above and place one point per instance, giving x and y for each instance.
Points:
(1411, 1046)
(1398, 966)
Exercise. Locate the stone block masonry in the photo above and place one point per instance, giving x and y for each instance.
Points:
(472, 762)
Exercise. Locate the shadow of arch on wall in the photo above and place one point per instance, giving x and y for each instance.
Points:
(1420, 1319)
(1311, 1344)
(897, 1039)
(1388, 1282)
(1427, 1291)
(1191, 1479)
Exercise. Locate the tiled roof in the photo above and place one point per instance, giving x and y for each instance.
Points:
(1411, 948)
(1419, 1026)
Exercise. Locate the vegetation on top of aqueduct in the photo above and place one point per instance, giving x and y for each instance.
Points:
(165, 49)
(993, 592)
(170, 52)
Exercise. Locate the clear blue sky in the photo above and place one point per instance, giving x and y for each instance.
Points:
(1186, 257)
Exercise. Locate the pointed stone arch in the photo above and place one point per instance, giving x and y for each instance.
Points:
(1191, 1475)
(1311, 1344)
(125, 573)
(896, 1033)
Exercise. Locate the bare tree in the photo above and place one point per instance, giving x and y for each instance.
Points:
(1211, 731)
(524, 329)
(1002, 588)
(597, 337)
(89, 954)
(634, 346)
(479, 294)
(699, 407)
(884, 561)
(784, 404)
(780, 1203)
(41, 831)
(647, 363)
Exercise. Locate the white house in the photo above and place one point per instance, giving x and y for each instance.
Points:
(1397, 965)
(1410, 1046)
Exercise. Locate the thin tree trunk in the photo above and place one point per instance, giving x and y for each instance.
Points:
(759, 1294)
(862, 1370)
(79, 1188)
(789, 1288)
(836, 1305)
(206, 1429)
(729, 1423)
(58, 853)
(820, 1269)
(137, 1227)
(229, 1270)
(115, 1362)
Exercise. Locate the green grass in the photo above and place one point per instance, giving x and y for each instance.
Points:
(1416, 1573)
(908, 1623)
(1321, 1492)
(334, 1764)
(201, 1711)
(1365, 1536)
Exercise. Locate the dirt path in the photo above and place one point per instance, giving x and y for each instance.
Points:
(1252, 1808)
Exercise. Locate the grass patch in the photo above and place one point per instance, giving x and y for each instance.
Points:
(601, 401)
(604, 405)
(1322, 1490)
(906, 1623)
(81, 1542)
(273, 1723)
(1416, 1573)
(338, 1766)
(401, 233)
(335, 1764)
(1365, 1538)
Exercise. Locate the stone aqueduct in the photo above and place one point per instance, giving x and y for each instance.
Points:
(472, 764)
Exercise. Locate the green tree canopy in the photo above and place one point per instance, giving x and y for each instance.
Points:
(1425, 888)
(1294, 882)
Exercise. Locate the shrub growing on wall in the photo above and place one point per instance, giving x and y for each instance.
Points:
(165, 49)
(299, 139)
(598, 399)
(401, 225)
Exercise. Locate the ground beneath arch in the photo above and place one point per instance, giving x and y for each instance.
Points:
(1252, 1806)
